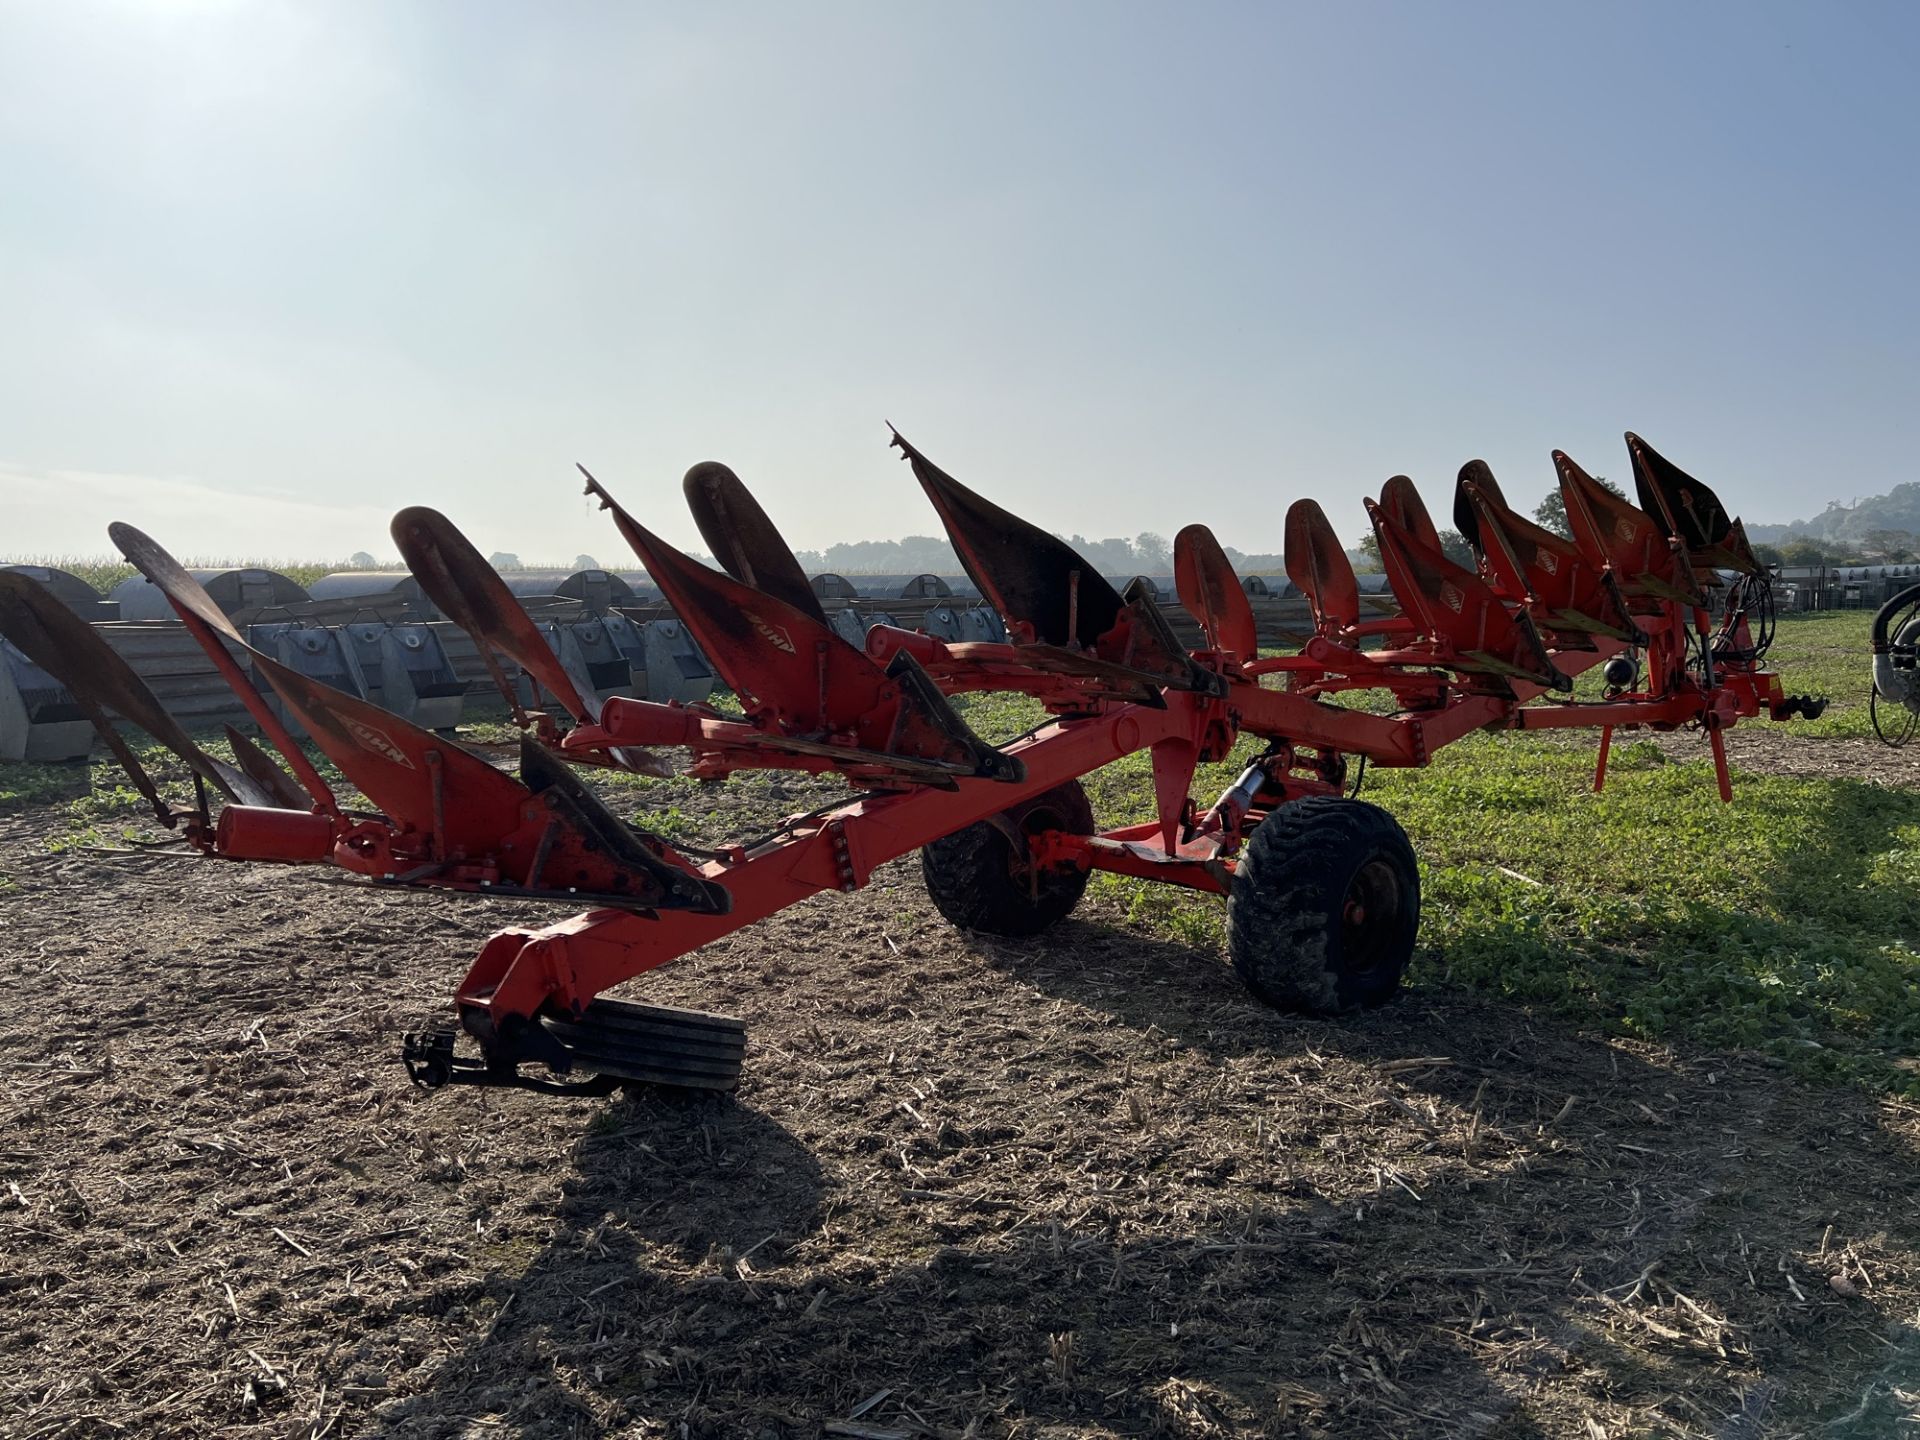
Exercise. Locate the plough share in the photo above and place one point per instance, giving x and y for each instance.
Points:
(1323, 888)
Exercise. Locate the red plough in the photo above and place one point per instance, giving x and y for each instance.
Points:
(1323, 887)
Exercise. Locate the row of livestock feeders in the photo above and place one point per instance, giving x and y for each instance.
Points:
(372, 633)
(405, 668)
(255, 593)
(389, 652)
(39, 719)
(1323, 890)
(251, 593)
(944, 608)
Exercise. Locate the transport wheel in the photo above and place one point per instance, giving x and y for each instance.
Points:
(981, 879)
(654, 1044)
(1326, 901)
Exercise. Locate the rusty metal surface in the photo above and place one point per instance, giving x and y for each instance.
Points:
(1692, 512)
(1212, 594)
(744, 540)
(469, 592)
(1613, 531)
(1456, 608)
(70, 650)
(265, 771)
(213, 631)
(1031, 577)
(1400, 499)
(1317, 563)
(1466, 519)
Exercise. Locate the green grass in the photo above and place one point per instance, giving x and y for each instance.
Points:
(100, 806)
(1786, 924)
(1826, 654)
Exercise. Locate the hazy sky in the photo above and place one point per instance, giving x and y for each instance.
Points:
(268, 272)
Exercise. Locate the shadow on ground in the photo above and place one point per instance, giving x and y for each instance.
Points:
(1451, 1220)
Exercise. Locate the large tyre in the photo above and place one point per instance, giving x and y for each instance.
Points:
(1326, 902)
(981, 880)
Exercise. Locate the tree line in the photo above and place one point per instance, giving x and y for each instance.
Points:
(1149, 553)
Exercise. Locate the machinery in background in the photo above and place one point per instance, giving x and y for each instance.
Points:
(39, 718)
(1894, 703)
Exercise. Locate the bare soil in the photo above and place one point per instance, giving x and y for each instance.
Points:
(1080, 1186)
(1777, 750)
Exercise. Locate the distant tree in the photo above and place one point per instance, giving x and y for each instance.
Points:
(1114, 556)
(1152, 553)
(910, 555)
(1890, 547)
(1551, 513)
(928, 555)
(1257, 563)
(872, 557)
(504, 560)
(1452, 544)
(1456, 548)
(1801, 551)
(586, 562)
(361, 560)
(1805, 550)
(1768, 554)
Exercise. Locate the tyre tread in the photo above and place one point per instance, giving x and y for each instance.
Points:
(1288, 887)
(967, 877)
(654, 1044)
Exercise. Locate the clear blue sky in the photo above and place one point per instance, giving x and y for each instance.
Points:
(268, 272)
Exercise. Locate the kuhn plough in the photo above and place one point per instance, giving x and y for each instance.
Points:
(1323, 887)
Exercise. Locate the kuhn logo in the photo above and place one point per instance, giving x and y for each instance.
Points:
(1625, 529)
(368, 738)
(1549, 562)
(772, 634)
(1451, 593)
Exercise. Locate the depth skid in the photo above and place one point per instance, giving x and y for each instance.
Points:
(1494, 646)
